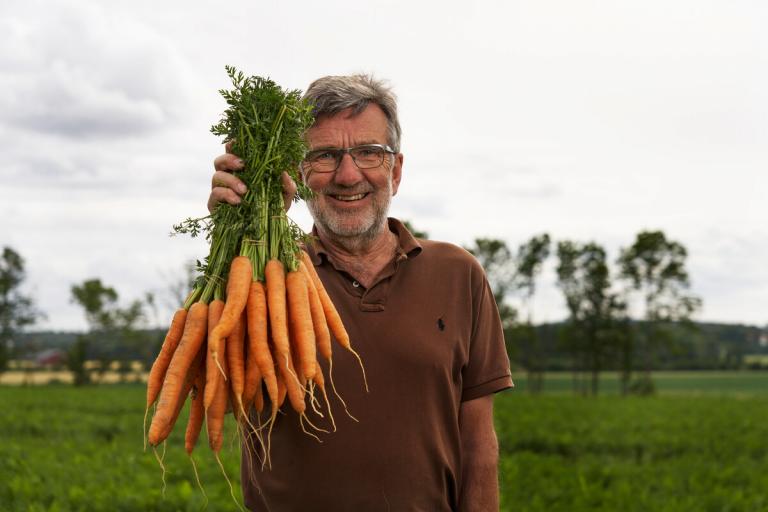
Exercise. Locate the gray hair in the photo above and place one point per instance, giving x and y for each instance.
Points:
(332, 94)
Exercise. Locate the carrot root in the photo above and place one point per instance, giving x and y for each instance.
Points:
(229, 482)
(199, 482)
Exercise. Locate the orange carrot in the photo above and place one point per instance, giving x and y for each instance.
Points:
(299, 376)
(214, 418)
(252, 391)
(159, 367)
(293, 387)
(253, 379)
(215, 412)
(253, 376)
(238, 285)
(322, 334)
(196, 415)
(281, 391)
(302, 333)
(211, 372)
(332, 317)
(258, 345)
(189, 381)
(275, 276)
(258, 398)
(187, 350)
(196, 411)
(236, 363)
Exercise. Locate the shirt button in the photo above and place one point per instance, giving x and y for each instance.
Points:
(355, 284)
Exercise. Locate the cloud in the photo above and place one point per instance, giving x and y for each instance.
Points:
(588, 121)
(78, 72)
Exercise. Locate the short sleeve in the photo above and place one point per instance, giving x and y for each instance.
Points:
(487, 370)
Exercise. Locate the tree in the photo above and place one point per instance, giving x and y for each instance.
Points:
(655, 267)
(594, 311)
(98, 301)
(528, 263)
(113, 327)
(178, 286)
(510, 274)
(496, 258)
(530, 258)
(77, 355)
(17, 310)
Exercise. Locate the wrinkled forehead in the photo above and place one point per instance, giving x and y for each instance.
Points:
(347, 128)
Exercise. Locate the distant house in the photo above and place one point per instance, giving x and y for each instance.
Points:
(50, 357)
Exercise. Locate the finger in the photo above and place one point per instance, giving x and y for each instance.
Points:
(227, 180)
(222, 195)
(228, 146)
(289, 189)
(228, 162)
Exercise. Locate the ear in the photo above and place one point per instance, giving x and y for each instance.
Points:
(397, 172)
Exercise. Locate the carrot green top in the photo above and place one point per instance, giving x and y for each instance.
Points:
(266, 127)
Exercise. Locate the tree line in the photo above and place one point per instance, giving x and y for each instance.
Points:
(623, 315)
(604, 329)
(120, 334)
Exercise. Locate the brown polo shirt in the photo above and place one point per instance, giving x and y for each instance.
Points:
(429, 335)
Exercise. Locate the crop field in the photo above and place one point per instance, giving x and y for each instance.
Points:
(668, 383)
(700, 445)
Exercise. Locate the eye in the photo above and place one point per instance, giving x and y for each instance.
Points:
(368, 151)
(322, 156)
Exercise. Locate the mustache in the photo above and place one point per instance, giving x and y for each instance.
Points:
(337, 190)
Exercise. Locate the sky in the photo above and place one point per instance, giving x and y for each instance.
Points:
(589, 120)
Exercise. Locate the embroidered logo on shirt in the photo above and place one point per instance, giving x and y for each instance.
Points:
(440, 324)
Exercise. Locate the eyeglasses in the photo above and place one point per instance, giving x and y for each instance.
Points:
(367, 156)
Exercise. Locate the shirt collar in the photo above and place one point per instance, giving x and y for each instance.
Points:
(407, 245)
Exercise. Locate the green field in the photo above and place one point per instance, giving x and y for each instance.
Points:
(668, 383)
(700, 445)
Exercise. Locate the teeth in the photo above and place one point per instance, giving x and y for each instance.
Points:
(356, 197)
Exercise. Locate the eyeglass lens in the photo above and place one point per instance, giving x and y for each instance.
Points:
(365, 157)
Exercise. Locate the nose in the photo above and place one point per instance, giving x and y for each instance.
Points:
(348, 173)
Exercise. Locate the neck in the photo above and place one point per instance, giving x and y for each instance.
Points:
(362, 258)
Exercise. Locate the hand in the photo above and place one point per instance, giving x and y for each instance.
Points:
(228, 188)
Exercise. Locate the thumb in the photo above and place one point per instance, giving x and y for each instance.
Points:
(289, 190)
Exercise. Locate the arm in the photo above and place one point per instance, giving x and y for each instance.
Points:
(479, 456)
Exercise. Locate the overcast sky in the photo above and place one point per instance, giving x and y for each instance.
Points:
(589, 120)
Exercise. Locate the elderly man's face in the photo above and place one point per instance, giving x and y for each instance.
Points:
(352, 203)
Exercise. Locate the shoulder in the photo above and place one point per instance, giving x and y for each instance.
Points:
(449, 256)
(444, 250)
(434, 254)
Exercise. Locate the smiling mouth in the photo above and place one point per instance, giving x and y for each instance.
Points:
(355, 197)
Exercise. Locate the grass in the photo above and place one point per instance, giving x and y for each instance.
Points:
(667, 453)
(66, 448)
(667, 383)
(700, 445)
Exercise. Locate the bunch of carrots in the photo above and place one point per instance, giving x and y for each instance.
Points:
(248, 335)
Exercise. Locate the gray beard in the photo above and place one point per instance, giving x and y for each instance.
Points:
(356, 237)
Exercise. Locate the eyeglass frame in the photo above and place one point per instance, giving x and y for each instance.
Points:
(342, 151)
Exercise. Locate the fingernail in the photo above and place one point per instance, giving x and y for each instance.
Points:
(241, 188)
(240, 162)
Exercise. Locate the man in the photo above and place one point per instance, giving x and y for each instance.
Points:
(419, 312)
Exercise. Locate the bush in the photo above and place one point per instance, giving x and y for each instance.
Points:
(642, 386)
